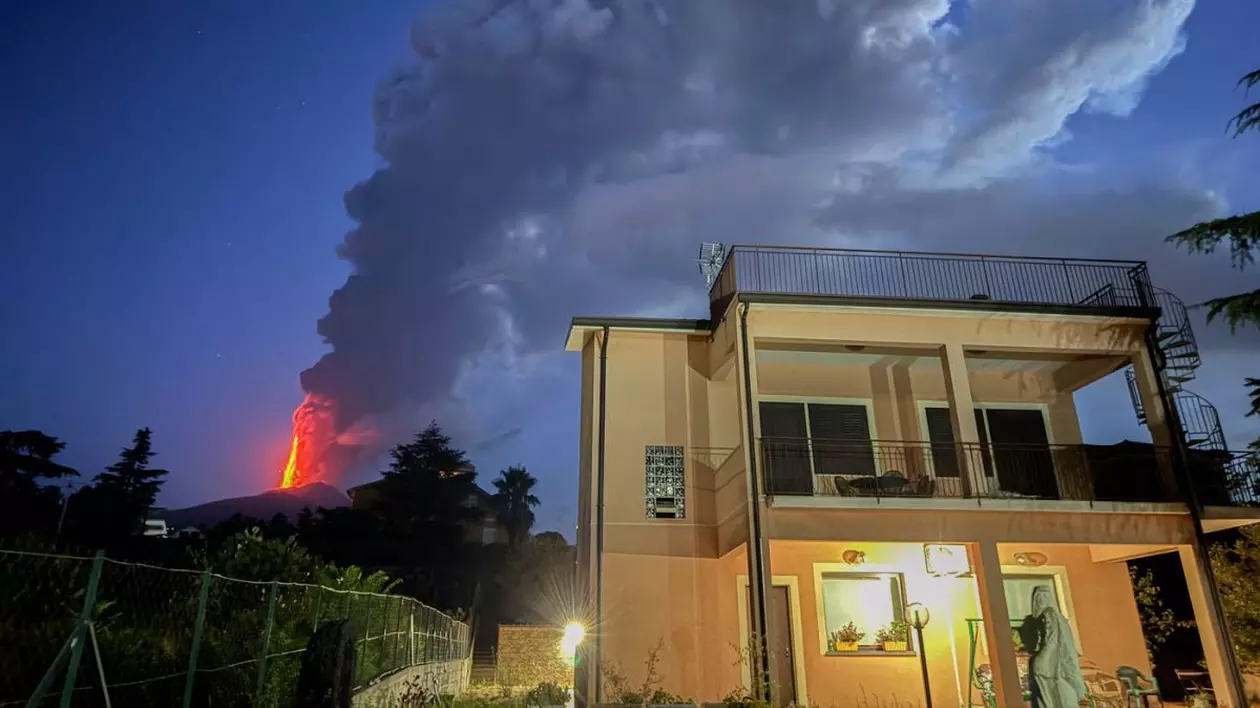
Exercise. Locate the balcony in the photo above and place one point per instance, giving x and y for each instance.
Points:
(879, 469)
(950, 277)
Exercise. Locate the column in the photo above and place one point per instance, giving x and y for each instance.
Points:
(962, 416)
(1157, 417)
(1212, 632)
(998, 635)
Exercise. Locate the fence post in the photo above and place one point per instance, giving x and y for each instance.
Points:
(319, 600)
(411, 636)
(380, 653)
(266, 642)
(196, 638)
(80, 637)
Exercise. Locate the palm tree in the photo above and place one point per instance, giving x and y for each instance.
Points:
(516, 502)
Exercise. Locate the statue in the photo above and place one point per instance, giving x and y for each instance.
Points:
(1054, 664)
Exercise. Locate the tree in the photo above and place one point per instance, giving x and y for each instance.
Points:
(130, 486)
(516, 502)
(27, 503)
(427, 491)
(1237, 565)
(1242, 234)
(1159, 622)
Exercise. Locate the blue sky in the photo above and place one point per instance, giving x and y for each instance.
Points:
(171, 191)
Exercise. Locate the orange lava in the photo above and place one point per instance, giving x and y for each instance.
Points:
(289, 478)
(312, 433)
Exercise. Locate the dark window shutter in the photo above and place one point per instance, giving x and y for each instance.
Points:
(941, 435)
(785, 448)
(841, 436)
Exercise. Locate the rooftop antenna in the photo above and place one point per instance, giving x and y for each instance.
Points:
(712, 256)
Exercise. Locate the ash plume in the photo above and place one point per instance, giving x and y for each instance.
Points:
(545, 156)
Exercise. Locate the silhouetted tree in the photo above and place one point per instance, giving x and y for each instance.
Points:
(516, 502)
(27, 502)
(1242, 234)
(428, 492)
(130, 486)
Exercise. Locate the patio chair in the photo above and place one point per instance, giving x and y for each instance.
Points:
(1134, 690)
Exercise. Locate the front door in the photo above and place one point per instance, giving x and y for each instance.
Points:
(782, 673)
(782, 669)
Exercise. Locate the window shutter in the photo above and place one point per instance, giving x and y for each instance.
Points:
(941, 435)
(785, 448)
(841, 437)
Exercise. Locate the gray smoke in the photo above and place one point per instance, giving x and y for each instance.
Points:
(545, 158)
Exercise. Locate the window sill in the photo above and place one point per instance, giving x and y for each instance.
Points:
(871, 652)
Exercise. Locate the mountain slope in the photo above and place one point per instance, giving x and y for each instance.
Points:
(260, 506)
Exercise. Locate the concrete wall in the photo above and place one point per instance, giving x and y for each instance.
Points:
(448, 678)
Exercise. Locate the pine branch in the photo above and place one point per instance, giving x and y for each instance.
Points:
(1249, 117)
(1242, 233)
(1243, 308)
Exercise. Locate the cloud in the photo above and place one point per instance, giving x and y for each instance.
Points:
(545, 158)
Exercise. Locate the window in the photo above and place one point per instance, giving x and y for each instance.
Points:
(870, 601)
(802, 439)
(1014, 447)
(664, 482)
(1019, 589)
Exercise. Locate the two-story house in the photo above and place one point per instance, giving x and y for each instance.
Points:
(856, 439)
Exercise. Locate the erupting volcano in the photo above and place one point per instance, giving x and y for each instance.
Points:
(312, 434)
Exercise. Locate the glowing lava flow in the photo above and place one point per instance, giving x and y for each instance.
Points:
(289, 478)
(312, 433)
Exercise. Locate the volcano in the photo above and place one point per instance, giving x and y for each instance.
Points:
(289, 502)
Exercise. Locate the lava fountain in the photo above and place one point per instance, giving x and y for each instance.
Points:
(312, 434)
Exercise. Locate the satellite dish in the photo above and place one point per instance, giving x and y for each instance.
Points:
(712, 256)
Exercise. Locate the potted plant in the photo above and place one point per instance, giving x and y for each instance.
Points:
(846, 638)
(894, 637)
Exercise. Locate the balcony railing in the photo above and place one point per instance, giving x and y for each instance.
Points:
(899, 469)
(931, 276)
(1226, 478)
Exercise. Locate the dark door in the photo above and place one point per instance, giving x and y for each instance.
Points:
(1021, 452)
(945, 454)
(785, 449)
(782, 675)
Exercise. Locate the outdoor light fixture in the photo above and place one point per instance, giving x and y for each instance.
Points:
(573, 634)
(1031, 559)
(919, 616)
(853, 557)
(946, 560)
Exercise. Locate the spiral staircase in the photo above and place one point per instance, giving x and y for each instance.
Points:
(1177, 359)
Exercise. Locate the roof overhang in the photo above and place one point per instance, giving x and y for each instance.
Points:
(580, 328)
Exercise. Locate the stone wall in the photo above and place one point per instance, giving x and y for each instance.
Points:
(448, 678)
(530, 655)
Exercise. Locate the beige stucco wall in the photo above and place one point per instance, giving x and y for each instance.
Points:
(1100, 596)
(687, 607)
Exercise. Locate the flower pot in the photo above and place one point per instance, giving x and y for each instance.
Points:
(844, 646)
(896, 646)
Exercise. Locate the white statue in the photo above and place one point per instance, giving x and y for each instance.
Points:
(1054, 664)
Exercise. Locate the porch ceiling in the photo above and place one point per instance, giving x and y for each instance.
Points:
(840, 355)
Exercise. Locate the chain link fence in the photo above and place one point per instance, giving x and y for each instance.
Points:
(74, 629)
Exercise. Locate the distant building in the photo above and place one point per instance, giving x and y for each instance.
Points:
(485, 530)
(154, 524)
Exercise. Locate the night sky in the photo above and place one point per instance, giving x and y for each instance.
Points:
(173, 180)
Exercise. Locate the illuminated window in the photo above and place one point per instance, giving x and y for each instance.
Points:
(1019, 589)
(870, 601)
(664, 483)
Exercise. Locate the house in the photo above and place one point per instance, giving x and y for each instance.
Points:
(878, 437)
(484, 529)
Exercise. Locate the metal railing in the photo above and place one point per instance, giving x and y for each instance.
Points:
(1225, 478)
(78, 628)
(907, 469)
(931, 276)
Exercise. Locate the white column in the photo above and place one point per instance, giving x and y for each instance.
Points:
(998, 635)
(962, 416)
(1213, 635)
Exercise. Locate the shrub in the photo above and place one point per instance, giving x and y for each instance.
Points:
(547, 694)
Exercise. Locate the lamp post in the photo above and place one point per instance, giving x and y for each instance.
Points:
(919, 617)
